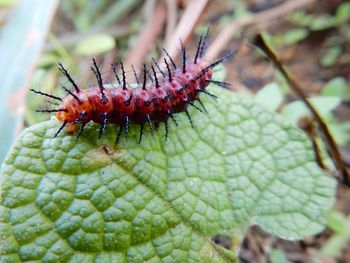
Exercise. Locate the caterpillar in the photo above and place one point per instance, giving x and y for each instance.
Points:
(150, 102)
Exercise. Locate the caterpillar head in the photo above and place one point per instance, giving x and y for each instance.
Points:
(75, 108)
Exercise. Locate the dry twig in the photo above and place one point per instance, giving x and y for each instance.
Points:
(171, 20)
(148, 34)
(185, 27)
(332, 147)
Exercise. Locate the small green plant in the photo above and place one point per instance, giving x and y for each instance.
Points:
(340, 225)
(312, 23)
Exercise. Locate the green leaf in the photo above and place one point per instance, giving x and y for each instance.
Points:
(21, 42)
(278, 256)
(160, 201)
(331, 56)
(34, 101)
(119, 9)
(270, 96)
(297, 109)
(340, 239)
(7, 2)
(337, 87)
(322, 22)
(95, 44)
(343, 13)
(301, 18)
(339, 130)
(336, 221)
(291, 37)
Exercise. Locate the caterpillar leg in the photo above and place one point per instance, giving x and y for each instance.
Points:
(71, 127)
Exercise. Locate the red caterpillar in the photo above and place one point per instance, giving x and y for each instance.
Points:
(146, 103)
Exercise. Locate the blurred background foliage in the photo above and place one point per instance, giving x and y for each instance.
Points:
(313, 41)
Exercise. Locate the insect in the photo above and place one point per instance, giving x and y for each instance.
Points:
(171, 90)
